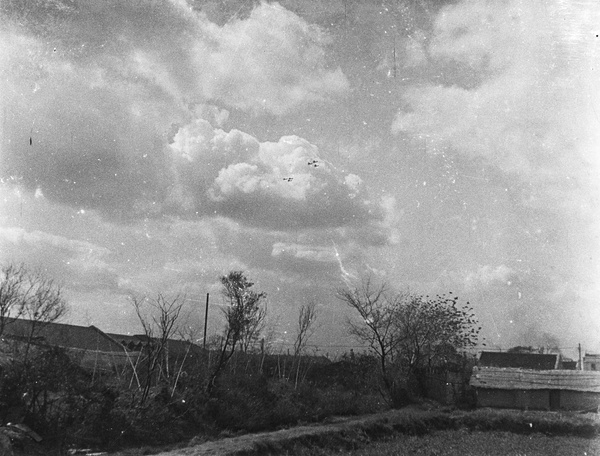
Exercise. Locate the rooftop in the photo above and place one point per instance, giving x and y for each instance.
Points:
(519, 360)
(522, 379)
(61, 335)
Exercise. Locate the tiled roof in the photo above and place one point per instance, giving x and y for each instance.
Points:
(89, 338)
(519, 360)
(62, 335)
(174, 346)
(133, 343)
(523, 379)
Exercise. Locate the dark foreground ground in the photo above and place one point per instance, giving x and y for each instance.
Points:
(413, 431)
(478, 443)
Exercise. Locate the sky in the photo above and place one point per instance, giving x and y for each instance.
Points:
(152, 146)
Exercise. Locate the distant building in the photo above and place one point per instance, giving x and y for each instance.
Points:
(89, 346)
(591, 362)
(520, 360)
(568, 364)
(536, 389)
(525, 380)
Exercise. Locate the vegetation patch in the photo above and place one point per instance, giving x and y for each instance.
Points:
(361, 432)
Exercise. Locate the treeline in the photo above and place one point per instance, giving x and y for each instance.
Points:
(234, 385)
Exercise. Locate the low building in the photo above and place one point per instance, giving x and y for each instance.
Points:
(591, 362)
(568, 364)
(89, 346)
(552, 389)
(535, 361)
(92, 348)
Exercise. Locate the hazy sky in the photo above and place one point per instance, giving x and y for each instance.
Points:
(153, 145)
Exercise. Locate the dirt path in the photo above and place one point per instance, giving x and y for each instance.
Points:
(355, 431)
(251, 443)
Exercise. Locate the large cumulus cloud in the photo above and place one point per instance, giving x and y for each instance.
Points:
(272, 61)
(92, 91)
(284, 184)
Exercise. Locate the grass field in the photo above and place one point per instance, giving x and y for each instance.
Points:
(467, 443)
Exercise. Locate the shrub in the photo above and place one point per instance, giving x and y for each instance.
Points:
(240, 401)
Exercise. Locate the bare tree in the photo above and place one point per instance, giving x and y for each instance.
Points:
(13, 289)
(377, 326)
(159, 326)
(38, 298)
(305, 329)
(32, 295)
(189, 335)
(42, 302)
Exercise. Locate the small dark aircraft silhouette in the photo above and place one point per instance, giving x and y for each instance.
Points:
(314, 163)
(289, 179)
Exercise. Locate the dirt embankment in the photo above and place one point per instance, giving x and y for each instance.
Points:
(353, 432)
(271, 442)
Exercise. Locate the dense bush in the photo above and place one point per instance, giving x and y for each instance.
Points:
(241, 402)
(70, 406)
(46, 391)
(256, 402)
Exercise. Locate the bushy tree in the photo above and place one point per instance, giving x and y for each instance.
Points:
(244, 318)
(408, 332)
(430, 332)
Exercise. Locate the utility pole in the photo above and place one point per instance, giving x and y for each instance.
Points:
(205, 321)
(580, 362)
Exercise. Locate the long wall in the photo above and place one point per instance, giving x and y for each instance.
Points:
(539, 399)
(580, 400)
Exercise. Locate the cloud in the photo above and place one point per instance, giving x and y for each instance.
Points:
(92, 92)
(527, 109)
(284, 184)
(414, 49)
(391, 220)
(305, 252)
(273, 61)
(76, 137)
(513, 93)
(18, 236)
(81, 264)
(488, 275)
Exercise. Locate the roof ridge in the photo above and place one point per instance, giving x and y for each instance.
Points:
(106, 336)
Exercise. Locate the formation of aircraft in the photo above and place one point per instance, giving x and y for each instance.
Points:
(314, 163)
